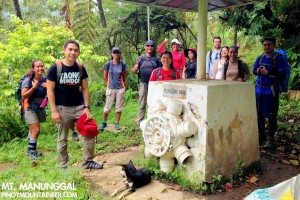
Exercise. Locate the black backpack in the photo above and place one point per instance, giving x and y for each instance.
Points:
(59, 69)
(18, 95)
(151, 60)
(158, 73)
(284, 83)
(240, 68)
(210, 53)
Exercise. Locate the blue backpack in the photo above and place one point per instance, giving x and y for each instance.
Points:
(284, 83)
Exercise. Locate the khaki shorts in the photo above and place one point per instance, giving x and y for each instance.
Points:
(111, 96)
(31, 117)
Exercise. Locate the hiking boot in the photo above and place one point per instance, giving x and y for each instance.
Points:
(92, 165)
(270, 144)
(117, 126)
(33, 154)
(262, 140)
(102, 126)
(75, 136)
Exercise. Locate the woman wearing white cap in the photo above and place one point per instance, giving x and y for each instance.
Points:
(179, 59)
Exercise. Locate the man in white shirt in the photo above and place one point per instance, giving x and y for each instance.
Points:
(212, 56)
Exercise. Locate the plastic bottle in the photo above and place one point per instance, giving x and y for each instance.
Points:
(44, 102)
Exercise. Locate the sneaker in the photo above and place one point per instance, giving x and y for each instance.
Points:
(75, 136)
(117, 126)
(102, 126)
(28, 152)
(92, 165)
(33, 154)
(269, 144)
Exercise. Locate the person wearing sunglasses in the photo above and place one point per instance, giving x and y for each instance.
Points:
(144, 65)
(115, 73)
(179, 59)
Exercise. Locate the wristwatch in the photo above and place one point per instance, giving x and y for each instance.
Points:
(88, 107)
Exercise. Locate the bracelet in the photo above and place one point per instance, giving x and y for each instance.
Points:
(88, 107)
(33, 88)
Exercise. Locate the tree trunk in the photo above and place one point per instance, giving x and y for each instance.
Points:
(65, 11)
(235, 37)
(18, 10)
(103, 21)
(68, 17)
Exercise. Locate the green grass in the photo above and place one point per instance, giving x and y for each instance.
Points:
(110, 141)
(47, 170)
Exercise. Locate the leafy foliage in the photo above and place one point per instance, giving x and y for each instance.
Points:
(294, 81)
(279, 18)
(40, 41)
(35, 38)
(11, 125)
(25, 44)
(44, 171)
(85, 21)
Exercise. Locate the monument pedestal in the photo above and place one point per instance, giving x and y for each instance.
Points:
(209, 126)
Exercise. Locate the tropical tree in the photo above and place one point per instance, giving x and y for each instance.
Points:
(17, 8)
(85, 21)
(40, 41)
(279, 18)
(103, 21)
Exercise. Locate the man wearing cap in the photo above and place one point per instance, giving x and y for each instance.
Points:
(212, 56)
(267, 89)
(179, 59)
(144, 65)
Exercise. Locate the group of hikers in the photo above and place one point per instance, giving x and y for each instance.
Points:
(66, 88)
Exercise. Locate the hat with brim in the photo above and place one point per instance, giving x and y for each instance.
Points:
(87, 128)
(175, 41)
(186, 51)
(116, 49)
(150, 42)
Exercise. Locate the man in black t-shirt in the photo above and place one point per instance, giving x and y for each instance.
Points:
(144, 65)
(65, 101)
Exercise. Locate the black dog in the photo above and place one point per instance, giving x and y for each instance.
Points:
(134, 178)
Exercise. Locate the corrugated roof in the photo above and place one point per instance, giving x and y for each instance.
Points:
(192, 5)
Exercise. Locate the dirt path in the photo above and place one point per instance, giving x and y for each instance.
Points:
(105, 181)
